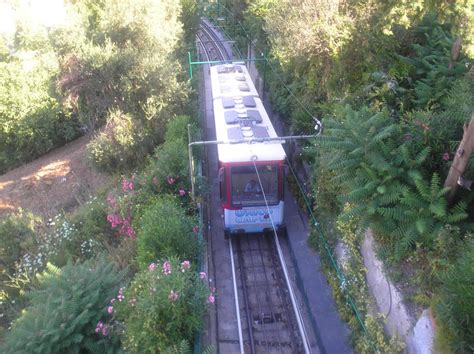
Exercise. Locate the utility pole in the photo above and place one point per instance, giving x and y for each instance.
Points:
(461, 159)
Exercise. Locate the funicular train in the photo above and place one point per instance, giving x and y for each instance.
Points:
(251, 173)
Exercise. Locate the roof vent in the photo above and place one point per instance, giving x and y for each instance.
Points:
(249, 101)
(228, 103)
(244, 87)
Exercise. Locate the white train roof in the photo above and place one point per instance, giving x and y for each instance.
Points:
(239, 114)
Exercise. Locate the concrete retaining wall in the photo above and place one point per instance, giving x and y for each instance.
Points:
(418, 334)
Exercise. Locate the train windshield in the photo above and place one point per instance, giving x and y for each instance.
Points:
(246, 186)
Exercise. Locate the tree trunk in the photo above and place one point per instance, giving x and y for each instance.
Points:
(461, 159)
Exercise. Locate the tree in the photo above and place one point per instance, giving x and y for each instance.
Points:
(461, 160)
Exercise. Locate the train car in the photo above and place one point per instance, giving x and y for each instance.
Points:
(251, 173)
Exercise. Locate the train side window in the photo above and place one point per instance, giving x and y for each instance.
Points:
(222, 184)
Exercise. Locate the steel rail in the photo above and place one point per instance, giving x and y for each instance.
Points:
(237, 306)
(214, 40)
(246, 302)
(299, 317)
(281, 284)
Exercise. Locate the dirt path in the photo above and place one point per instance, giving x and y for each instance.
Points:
(59, 180)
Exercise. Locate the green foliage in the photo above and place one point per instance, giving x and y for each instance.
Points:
(17, 236)
(80, 236)
(119, 146)
(163, 307)
(32, 121)
(435, 64)
(165, 230)
(454, 310)
(125, 61)
(65, 309)
(168, 170)
(177, 128)
(380, 177)
(189, 17)
(421, 216)
(350, 283)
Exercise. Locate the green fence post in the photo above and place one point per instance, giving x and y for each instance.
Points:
(190, 66)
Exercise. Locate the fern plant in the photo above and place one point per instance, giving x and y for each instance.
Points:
(421, 215)
(65, 310)
(453, 307)
(435, 69)
(380, 176)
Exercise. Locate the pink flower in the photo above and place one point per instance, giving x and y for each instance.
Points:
(166, 268)
(446, 156)
(152, 267)
(213, 290)
(112, 202)
(211, 299)
(110, 309)
(127, 229)
(120, 296)
(99, 327)
(105, 330)
(173, 296)
(202, 275)
(127, 185)
(182, 192)
(185, 265)
(170, 180)
(195, 229)
(114, 220)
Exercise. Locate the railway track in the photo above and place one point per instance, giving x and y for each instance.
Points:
(268, 315)
(268, 320)
(211, 44)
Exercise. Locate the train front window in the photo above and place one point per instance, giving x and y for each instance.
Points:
(246, 187)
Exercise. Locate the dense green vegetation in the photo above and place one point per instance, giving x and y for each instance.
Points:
(113, 69)
(120, 273)
(393, 84)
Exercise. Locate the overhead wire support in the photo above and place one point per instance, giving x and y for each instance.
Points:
(281, 139)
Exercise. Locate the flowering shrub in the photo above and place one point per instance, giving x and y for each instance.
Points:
(17, 240)
(164, 230)
(65, 310)
(168, 170)
(120, 145)
(120, 214)
(17, 237)
(164, 305)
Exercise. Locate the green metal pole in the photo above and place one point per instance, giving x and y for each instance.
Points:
(190, 66)
(264, 73)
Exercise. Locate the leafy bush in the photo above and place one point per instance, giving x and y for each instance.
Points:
(80, 236)
(454, 308)
(381, 179)
(17, 239)
(435, 65)
(168, 170)
(32, 120)
(17, 236)
(119, 146)
(165, 230)
(125, 59)
(163, 306)
(65, 309)
(177, 128)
